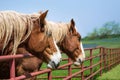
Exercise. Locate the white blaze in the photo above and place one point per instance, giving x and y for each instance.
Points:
(83, 52)
(56, 57)
(81, 57)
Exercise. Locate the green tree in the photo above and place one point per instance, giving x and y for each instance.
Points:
(115, 28)
(106, 30)
(94, 34)
(109, 29)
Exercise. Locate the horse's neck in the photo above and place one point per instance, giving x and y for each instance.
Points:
(59, 30)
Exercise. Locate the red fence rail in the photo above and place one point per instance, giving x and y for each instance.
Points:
(97, 60)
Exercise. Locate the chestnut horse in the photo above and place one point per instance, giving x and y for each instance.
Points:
(23, 31)
(67, 38)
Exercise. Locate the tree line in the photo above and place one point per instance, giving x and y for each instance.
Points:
(108, 30)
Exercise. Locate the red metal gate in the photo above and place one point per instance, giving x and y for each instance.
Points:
(106, 59)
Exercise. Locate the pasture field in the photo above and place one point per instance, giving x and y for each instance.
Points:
(107, 42)
(110, 43)
(113, 74)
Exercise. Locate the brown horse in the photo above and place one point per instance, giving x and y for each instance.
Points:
(21, 30)
(68, 39)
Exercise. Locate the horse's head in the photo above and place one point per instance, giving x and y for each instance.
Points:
(42, 44)
(72, 45)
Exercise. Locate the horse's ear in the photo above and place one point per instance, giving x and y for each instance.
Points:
(42, 20)
(72, 26)
(72, 22)
(43, 16)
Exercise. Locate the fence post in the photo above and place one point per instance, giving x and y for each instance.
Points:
(50, 75)
(107, 59)
(91, 62)
(104, 57)
(116, 58)
(82, 73)
(109, 52)
(69, 68)
(101, 50)
(12, 69)
(110, 58)
(119, 56)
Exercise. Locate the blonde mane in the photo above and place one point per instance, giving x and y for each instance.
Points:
(59, 30)
(16, 24)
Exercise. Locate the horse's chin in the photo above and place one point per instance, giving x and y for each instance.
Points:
(49, 66)
(77, 63)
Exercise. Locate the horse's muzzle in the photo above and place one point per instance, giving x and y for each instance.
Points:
(78, 62)
(52, 65)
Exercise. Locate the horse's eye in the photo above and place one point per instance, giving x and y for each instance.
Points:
(79, 39)
(41, 25)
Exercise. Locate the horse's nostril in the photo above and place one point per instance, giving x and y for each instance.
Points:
(52, 65)
(55, 65)
(80, 61)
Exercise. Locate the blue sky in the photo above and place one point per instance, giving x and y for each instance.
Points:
(88, 14)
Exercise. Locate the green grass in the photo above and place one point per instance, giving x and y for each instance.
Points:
(113, 74)
(110, 43)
